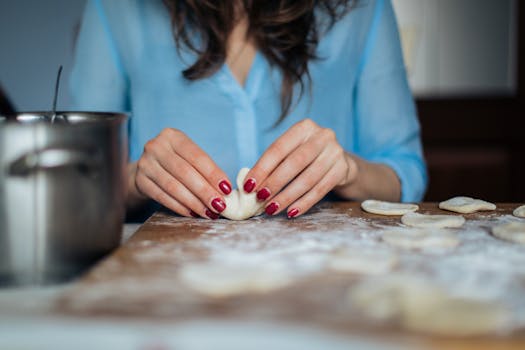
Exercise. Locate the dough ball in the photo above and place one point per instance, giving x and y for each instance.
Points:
(420, 305)
(519, 212)
(220, 281)
(420, 238)
(387, 208)
(366, 262)
(512, 231)
(239, 204)
(432, 221)
(466, 205)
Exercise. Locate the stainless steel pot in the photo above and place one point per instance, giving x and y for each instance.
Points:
(62, 188)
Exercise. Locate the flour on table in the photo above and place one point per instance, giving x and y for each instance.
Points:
(387, 208)
(420, 238)
(421, 305)
(512, 231)
(241, 205)
(519, 212)
(224, 280)
(432, 221)
(466, 205)
(359, 261)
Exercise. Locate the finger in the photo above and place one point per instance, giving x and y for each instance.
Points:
(172, 187)
(178, 168)
(303, 204)
(321, 146)
(153, 191)
(277, 152)
(194, 155)
(307, 180)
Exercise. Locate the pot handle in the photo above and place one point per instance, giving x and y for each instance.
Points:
(86, 160)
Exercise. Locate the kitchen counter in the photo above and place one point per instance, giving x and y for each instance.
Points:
(136, 297)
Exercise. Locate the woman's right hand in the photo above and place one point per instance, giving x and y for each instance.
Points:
(178, 174)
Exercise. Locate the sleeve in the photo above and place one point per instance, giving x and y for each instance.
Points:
(98, 80)
(387, 129)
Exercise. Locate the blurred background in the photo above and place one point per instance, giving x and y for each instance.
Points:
(465, 60)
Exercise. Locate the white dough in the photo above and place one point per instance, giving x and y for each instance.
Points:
(366, 262)
(466, 205)
(420, 238)
(387, 208)
(419, 305)
(519, 212)
(224, 280)
(241, 205)
(432, 221)
(513, 232)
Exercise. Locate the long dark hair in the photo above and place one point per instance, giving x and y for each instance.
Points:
(285, 31)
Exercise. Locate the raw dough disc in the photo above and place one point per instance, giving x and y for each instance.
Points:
(513, 232)
(387, 208)
(432, 221)
(418, 238)
(241, 205)
(420, 305)
(466, 205)
(224, 280)
(519, 212)
(366, 262)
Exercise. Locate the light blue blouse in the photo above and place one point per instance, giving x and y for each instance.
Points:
(126, 60)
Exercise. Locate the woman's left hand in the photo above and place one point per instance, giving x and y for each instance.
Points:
(299, 169)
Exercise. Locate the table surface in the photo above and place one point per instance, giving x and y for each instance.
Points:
(140, 281)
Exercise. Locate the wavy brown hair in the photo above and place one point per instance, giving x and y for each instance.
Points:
(285, 31)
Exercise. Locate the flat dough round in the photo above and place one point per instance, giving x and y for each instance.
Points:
(418, 238)
(220, 281)
(466, 205)
(519, 212)
(366, 262)
(432, 221)
(388, 208)
(512, 231)
(239, 204)
(420, 305)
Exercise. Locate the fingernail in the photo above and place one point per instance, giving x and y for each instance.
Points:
(194, 214)
(293, 213)
(272, 208)
(218, 204)
(249, 185)
(225, 187)
(263, 194)
(212, 215)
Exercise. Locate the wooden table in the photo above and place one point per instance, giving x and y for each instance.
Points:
(141, 279)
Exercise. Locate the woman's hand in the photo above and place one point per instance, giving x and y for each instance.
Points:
(300, 168)
(175, 172)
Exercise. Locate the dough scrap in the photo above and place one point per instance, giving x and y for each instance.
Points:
(366, 262)
(432, 221)
(519, 212)
(225, 280)
(387, 208)
(241, 205)
(466, 205)
(420, 305)
(512, 231)
(420, 238)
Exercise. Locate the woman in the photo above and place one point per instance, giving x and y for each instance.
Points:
(311, 94)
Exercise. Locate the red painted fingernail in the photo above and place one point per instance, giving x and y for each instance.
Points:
(218, 204)
(212, 215)
(194, 214)
(293, 213)
(249, 185)
(263, 194)
(225, 187)
(272, 208)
